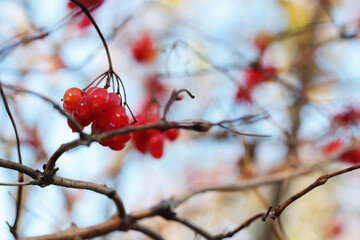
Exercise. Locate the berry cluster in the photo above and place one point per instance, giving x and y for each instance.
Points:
(152, 140)
(143, 49)
(101, 109)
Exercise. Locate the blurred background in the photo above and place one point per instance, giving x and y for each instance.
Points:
(295, 61)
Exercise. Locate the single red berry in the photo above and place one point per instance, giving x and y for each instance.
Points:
(172, 134)
(90, 4)
(114, 100)
(84, 108)
(118, 117)
(352, 156)
(144, 49)
(140, 140)
(243, 95)
(117, 146)
(101, 118)
(99, 98)
(332, 146)
(253, 77)
(348, 117)
(156, 145)
(72, 97)
(84, 121)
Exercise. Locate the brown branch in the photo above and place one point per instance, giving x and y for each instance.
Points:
(14, 227)
(174, 97)
(111, 225)
(318, 182)
(147, 231)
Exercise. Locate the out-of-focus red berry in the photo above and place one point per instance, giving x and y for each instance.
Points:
(352, 156)
(332, 146)
(172, 134)
(348, 117)
(89, 4)
(143, 49)
(156, 145)
(243, 95)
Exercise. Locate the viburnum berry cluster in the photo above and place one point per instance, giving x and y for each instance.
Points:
(152, 140)
(103, 110)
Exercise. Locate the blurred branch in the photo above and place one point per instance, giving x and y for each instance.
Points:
(14, 227)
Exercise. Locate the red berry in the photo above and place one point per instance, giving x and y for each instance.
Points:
(68, 110)
(84, 108)
(140, 140)
(172, 134)
(72, 97)
(87, 93)
(84, 121)
(348, 117)
(243, 95)
(332, 146)
(92, 4)
(253, 77)
(118, 117)
(352, 156)
(117, 146)
(156, 145)
(101, 118)
(114, 100)
(99, 98)
(143, 49)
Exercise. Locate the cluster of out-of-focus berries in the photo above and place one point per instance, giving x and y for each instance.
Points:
(348, 118)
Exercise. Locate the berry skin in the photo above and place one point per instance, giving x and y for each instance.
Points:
(84, 108)
(82, 120)
(352, 156)
(87, 93)
(72, 97)
(172, 134)
(114, 100)
(118, 117)
(156, 145)
(99, 98)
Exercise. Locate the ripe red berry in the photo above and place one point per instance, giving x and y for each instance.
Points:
(243, 95)
(156, 145)
(172, 134)
(352, 156)
(348, 117)
(332, 146)
(84, 121)
(253, 77)
(143, 49)
(114, 100)
(84, 108)
(72, 97)
(117, 146)
(99, 98)
(118, 117)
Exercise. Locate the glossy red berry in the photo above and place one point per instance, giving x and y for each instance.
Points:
(118, 117)
(114, 100)
(72, 97)
(84, 121)
(87, 93)
(99, 98)
(84, 107)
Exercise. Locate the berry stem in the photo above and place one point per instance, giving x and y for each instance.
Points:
(86, 11)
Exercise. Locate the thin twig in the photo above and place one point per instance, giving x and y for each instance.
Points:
(14, 227)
